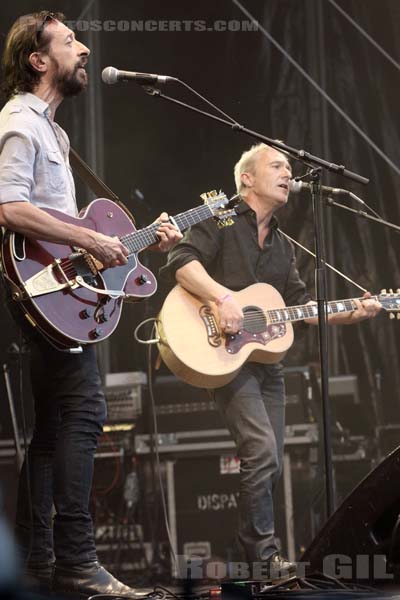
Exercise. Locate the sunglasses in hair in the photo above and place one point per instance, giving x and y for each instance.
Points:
(48, 16)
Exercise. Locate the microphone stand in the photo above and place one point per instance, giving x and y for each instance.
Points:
(321, 297)
(361, 213)
(301, 155)
(320, 259)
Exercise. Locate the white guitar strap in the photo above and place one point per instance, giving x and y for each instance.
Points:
(325, 263)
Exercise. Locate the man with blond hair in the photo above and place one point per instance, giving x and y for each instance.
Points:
(211, 263)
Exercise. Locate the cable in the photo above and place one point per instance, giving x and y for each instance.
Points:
(319, 88)
(166, 592)
(393, 540)
(366, 35)
(325, 263)
(208, 102)
(26, 450)
(151, 341)
(157, 455)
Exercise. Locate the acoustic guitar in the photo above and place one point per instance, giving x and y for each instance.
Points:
(196, 350)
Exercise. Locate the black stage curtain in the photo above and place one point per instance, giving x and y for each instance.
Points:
(171, 156)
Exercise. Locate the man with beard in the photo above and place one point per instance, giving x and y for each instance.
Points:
(43, 63)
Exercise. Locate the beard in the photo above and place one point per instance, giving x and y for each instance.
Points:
(71, 83)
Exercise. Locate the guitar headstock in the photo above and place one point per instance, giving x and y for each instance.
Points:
(223, 208)
(390, 301)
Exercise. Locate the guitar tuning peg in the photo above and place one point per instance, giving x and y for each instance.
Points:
(207, 195)
(225, 222)
(391, 316)
(398, 291)
(383, 291)
(390, 291)
(398, 315)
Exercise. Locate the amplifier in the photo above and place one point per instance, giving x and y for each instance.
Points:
(209, 441)
(181, 407)
(123, 392)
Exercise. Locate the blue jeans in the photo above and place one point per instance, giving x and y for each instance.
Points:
(253, 408)
(70, 411)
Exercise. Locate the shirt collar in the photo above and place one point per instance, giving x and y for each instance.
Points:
(34, 102)
(243, 207)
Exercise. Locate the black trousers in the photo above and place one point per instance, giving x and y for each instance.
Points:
(70, 411)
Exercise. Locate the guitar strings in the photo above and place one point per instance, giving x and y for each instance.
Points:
(297, 313)
(138, 240)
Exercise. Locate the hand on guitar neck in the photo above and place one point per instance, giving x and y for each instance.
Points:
(31, 221)
(366, 308)
(111, 252)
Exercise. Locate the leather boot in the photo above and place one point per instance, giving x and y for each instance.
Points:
(88, 579)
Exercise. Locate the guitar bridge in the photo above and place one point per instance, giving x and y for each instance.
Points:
(85, 264)
(209, 320)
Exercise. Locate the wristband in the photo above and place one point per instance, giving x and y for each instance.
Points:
(221, 300)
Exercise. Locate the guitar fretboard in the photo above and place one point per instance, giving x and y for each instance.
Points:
(139, 240)
(306, 311)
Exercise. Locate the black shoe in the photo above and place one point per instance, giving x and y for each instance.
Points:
(278, 568)
(88, 579)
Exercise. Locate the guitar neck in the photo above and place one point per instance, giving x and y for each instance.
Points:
(143, 238)
(307, 311)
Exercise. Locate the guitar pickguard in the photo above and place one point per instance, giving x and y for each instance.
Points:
(235, 342)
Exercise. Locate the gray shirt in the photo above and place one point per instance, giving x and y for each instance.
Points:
(34, 163)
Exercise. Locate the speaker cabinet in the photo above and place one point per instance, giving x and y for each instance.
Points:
(361, 540)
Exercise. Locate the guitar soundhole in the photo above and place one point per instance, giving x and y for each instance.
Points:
(254, 319)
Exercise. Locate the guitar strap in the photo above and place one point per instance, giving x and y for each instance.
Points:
(89, 177)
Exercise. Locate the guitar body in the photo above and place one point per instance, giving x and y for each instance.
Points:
(195, 350)
(72, 316)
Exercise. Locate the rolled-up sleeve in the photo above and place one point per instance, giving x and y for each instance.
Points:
(200, 242)
(17, 160)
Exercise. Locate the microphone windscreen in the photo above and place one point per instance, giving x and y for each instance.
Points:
(110, 75)
(295, 186)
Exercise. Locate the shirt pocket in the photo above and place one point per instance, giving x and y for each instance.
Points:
(54, 169)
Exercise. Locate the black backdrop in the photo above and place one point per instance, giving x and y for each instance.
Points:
(172, 156)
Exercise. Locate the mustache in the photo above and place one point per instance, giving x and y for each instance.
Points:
(81, 63)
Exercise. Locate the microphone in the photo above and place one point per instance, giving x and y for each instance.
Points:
(296, 187)
(111, 75)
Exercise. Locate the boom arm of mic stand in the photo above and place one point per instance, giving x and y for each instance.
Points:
(300, 155)
(363, 214)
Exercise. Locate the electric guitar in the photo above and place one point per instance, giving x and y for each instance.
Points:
(195, 349)
(67, 294)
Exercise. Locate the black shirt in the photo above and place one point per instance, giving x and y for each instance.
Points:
(232, 256)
